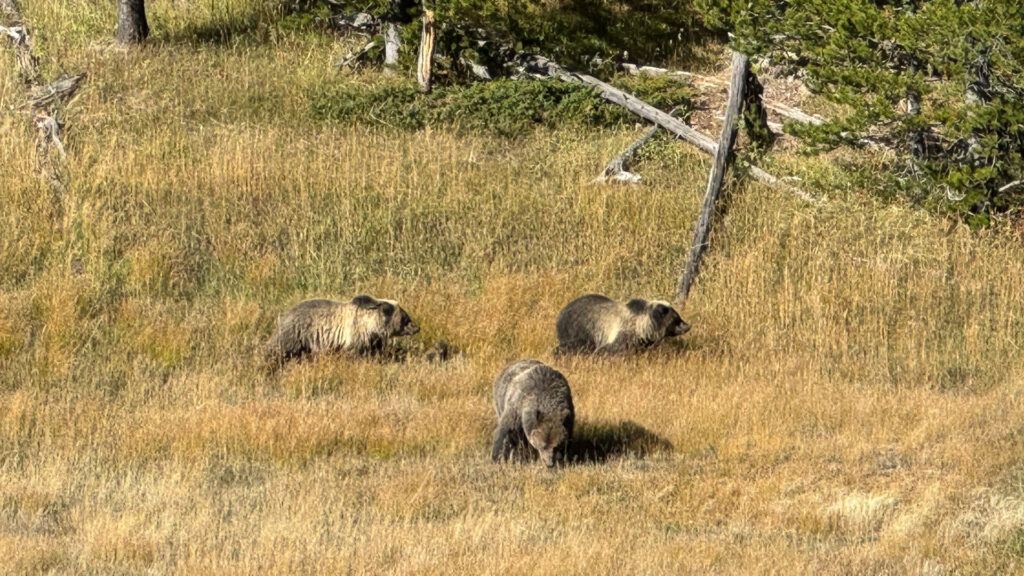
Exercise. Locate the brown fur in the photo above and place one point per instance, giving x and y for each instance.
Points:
(533, 403)
(362, 325)
(596, 323)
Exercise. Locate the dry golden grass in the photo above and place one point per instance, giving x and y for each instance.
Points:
(848, 402)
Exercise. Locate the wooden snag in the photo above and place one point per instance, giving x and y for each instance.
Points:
(426, 55)
(392, 44)
(132, 27)
(723, 153)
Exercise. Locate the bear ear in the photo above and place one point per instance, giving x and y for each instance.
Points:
(366, 302)
(387, 308)
(637, 305)
(659, 313)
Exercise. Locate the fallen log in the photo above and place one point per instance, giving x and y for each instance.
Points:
(541, 66)
(21, 41)
(1011, 186)
(617, 168)
(43, 101)
(354, 57)
(58, 90)
(723, 153)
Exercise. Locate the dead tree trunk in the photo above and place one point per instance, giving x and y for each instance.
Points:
(426, 55)
(392, 44)
(722, 156)
(132, 27)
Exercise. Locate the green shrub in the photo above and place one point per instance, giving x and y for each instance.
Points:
(502, 107)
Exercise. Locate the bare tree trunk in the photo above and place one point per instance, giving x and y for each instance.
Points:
(426, 55)
(392, 44)
(131, 22)
(722, 156)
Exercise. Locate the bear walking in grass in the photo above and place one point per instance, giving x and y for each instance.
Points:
(533, 403)
(597, 324)
(363, 325)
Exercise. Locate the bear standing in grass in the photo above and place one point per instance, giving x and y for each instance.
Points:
(533, 403)
(598, 324)
(363, 325)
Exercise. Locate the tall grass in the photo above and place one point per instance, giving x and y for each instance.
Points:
(848, 401)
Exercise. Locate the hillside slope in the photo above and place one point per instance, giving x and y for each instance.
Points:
(849, 400)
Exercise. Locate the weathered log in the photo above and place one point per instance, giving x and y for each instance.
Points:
(359, 22)
(132, 27)
(477, 70)
(793, 113)
(354, 57)
(426, 55)
(617, 168)
(702, 230)
(58, 90)
(392, 44)
(1011, 186)
(541, 66)
(43, 102)
(21, 40)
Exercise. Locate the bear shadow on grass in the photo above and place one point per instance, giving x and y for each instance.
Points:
(596, 442)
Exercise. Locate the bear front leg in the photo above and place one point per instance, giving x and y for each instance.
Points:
(620, 346)
(504, 438)
(574, 347)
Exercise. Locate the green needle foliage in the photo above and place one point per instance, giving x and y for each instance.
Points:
(941, 82)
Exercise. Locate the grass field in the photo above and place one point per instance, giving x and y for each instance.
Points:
(850, 399)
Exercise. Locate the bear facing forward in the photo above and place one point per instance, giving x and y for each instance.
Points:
(533, 404)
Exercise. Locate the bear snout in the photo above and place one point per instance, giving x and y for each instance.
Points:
(681, 328)
(410, 329)
(548, 456)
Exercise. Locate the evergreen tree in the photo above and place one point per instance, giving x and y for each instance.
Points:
(941, 82)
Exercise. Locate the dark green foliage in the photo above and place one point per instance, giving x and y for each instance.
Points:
(874, 57)
(570, 31)
(502, 107)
